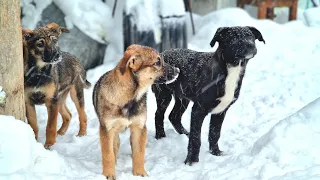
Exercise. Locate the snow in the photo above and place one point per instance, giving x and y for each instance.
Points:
(171, 8)
(32, 10)
(312, 16)
(21, 157)
(2, 96)
(91, 17)
(271, 132)
(146, 13)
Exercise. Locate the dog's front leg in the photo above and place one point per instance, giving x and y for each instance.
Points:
(108, 156)
(138, 140)
(214, 132)
(32, 118)
(51, 130)
(197, 116)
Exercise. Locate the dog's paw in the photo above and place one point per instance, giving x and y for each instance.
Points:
(191, 160)
(111, 177)
(82, 133)
(47, 146)
(160, 135)
(139, 172)
(61, 132)
(216, 152)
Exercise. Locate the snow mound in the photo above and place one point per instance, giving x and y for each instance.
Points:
(294, 140)
(16, 145)
(23, 158)
(312, 16)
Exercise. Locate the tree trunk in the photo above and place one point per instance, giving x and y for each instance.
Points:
(11, 59)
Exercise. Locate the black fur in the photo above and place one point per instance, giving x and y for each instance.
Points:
(202, 80)
(37, 98)
(132, 107)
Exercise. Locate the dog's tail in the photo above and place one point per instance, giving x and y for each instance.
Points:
(87, 84)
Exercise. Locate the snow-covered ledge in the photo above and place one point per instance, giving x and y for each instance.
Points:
(2, 97)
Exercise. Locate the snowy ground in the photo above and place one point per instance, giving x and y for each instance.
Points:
(266, 134)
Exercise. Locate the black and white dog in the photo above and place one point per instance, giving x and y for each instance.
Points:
(212, 80)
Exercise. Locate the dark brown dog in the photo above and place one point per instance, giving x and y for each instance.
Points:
(119, 98)
(49, 76)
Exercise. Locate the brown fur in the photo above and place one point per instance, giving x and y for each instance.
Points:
(50, 75)
(119, 98)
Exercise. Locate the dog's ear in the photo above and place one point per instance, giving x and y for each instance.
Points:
(134, 63)
(129, 60)
(217, 36)
(27, 34)
(256, 33)
(56, 27)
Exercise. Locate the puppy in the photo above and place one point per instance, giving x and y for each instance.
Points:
(119, 98)
(212, 80)
(49, 75)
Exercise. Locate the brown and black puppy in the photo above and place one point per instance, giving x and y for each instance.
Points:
(119, 98)
(49, 76)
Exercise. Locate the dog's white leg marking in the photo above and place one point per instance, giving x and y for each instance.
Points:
(230, 87)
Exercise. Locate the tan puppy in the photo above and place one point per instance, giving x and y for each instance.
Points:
(119, 98)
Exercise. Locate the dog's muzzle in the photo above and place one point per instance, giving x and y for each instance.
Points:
(170, 74)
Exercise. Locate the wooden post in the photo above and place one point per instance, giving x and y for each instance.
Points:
(11, 59)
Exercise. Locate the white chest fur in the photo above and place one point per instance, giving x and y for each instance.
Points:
(230, 87)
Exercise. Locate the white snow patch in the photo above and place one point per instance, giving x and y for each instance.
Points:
(92, 17)
(171, 8)
(2, 96)
(312, 16)
(32, 13)
(21, 157)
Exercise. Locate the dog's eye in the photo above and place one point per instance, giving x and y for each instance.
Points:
(54, 39)
(40, 44)
(158, 62)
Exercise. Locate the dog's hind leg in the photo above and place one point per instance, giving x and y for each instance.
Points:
(179, 108)
(108, 158)
(197, 116)
(32, 118)
(214, 132)
(163, 98)
(65, 114)
(77, 97)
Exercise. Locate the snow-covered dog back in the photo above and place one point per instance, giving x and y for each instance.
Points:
(211, 80)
